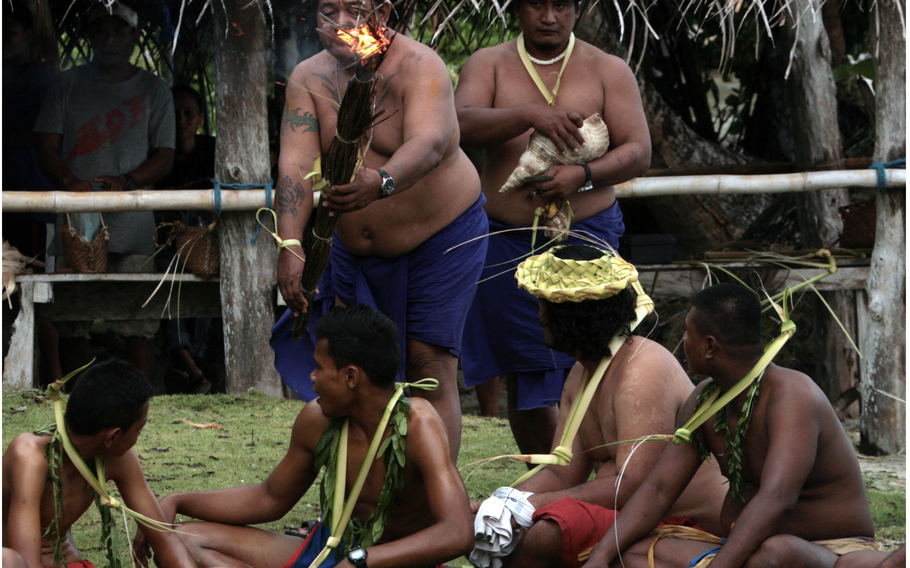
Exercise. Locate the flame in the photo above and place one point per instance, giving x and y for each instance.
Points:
(362, 41)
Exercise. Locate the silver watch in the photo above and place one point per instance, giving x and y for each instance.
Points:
(388, 184)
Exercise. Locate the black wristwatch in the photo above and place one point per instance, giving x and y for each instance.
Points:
(130, 182)
(589, 182)
(358, 556)
(388, 184)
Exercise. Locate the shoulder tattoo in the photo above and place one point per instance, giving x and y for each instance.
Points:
(330, 84)
(293, 120)
(384, 89)
(289, 196)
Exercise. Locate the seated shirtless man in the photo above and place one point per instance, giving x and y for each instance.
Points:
(796, 492)
(357, 358)
(104, 416)
(642, 393)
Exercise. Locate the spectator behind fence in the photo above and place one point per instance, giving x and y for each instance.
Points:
(109, 126)
(186, 340)
(25, 83)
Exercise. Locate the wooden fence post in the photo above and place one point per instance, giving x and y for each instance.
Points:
(883, 423)
(242, 156)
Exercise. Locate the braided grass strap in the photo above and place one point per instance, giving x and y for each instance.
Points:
(564, 280)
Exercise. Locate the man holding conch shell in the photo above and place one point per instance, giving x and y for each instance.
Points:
(552, 84)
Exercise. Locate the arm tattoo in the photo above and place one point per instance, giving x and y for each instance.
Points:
(289, 197)
(292, 119)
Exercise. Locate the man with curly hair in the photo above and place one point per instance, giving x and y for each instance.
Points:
(642, 393)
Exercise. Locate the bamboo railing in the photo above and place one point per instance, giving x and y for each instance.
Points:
(251, 200)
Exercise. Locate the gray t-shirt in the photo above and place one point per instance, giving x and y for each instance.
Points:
(110, 129)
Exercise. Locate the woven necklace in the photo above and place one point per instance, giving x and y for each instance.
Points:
(367, 532)
(527, 59)
(54, 454)
(332, 453)
(732, 441)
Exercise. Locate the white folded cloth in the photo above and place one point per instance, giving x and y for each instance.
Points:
(493, 537)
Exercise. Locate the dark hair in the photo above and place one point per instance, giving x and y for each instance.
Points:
(19, 12)
(359, 335)
(729, 312)
(577, 4)
(584, 329)
(109, 394)
(187, 90)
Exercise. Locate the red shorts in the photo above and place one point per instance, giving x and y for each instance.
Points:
(583, 525)
(80, 564)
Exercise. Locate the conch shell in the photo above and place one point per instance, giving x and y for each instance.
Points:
(542, 153)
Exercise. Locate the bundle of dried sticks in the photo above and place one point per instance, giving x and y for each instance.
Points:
(356, 117)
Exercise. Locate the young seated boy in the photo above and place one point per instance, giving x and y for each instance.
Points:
(105, 414)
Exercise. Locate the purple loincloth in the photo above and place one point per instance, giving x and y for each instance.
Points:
(426, 292)
(503, 334)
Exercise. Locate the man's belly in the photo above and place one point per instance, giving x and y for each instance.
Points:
(400, 223)
(518, 206)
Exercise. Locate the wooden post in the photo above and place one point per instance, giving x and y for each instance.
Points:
(242, 156)
(817, 140)
(883, 425)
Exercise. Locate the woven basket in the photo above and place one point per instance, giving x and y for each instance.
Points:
(81, 256)
(198, 249)
(859, 225)
(564, 280)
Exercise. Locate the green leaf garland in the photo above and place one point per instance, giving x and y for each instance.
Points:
(364, 533)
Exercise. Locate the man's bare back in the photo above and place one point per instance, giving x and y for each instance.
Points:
(832, 500)
(415, 94)
(593, 82)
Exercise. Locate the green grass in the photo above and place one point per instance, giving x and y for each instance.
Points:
(889, 508)
(254, 433)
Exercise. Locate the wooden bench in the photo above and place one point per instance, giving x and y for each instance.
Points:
(82, 297)
(111, 297)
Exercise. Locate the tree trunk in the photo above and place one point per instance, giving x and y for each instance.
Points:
(813, 101)
(44, 41)
(242, 156)
(699, 222)
(883, 426)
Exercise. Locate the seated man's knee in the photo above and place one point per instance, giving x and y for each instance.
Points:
(12, 559)
(788, 551)
(862, 559)
(541, 545)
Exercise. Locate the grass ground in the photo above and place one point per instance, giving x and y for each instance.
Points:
(252, 435)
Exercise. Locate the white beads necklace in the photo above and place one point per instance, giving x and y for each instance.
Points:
(549, 61)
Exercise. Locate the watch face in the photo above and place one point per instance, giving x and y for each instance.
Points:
(357, 554)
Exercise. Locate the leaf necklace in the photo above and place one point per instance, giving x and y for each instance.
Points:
(96, 480)
(331, 452)
(732, 441)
